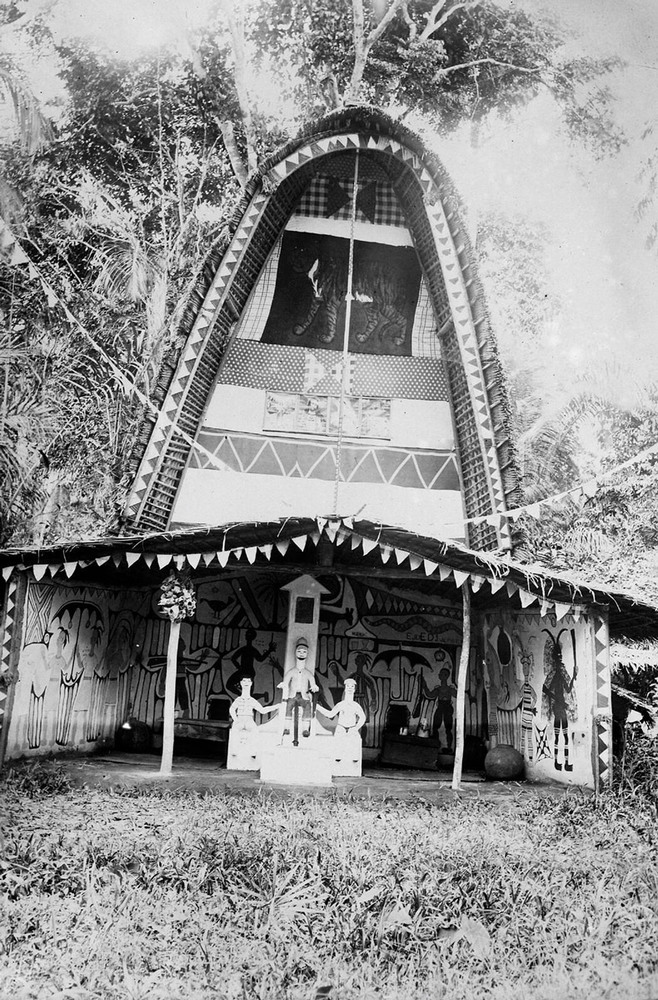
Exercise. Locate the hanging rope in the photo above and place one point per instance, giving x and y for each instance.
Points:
(345, 360)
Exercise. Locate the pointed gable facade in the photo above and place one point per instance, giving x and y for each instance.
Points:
(340, 358)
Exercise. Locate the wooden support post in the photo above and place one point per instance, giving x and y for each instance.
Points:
(461, 684)
(170, 700)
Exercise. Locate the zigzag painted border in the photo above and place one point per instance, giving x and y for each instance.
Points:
(451, 266)
(602, 750)
(9, 619)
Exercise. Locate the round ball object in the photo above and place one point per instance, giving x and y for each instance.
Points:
(503, 763)
(133, 737)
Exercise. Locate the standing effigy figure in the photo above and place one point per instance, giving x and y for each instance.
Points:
(298, 687)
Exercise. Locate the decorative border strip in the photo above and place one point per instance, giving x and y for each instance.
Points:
(9, 623)
(602, 736)
(316, 459)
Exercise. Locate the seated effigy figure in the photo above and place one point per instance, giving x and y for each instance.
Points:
(297, 689)
(349, 715)
(242, 711)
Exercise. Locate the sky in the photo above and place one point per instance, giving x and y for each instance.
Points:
(598, 263)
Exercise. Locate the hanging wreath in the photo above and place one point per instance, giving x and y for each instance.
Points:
(177, 599)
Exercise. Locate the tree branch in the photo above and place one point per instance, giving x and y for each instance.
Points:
(408, 19)
(236, 26)
(379, 29)
(479, 62)
(362, 45)
(434, 22)
(228, 135)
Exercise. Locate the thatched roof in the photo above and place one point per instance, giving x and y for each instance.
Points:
(432, 211)
(345, 546)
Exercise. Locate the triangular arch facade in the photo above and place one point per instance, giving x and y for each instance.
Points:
(359, 185)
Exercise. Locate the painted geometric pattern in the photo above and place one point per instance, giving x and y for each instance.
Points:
(297, 369)
(253, 453)
(5, 651)
(603, 702)
(424, 340)
(470, 353)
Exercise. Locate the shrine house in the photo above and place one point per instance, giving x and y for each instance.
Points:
(334, 412)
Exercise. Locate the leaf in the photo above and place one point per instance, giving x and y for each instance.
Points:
(369, 895)
(477, 936)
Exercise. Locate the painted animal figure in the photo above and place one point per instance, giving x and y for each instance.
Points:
(374, 287)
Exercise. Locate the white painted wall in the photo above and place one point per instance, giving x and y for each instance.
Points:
(210, 497)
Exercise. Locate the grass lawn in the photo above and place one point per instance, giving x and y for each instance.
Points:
(142, 894)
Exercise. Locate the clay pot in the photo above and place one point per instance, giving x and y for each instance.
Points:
(504, 763)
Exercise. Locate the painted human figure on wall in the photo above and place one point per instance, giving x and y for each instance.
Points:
(244, 659)
(425, 707)
(558, 696)
(444, 715)
(114, 667)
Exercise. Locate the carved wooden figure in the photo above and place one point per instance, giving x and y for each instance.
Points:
(297, 689)
(242, 711)
(349, 715)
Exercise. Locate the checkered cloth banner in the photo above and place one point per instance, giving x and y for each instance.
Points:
(331, 197)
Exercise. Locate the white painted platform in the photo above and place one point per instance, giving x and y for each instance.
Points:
(288, 765)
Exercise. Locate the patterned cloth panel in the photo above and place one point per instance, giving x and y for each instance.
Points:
(298, 369)
(313, 459)
(331, 198)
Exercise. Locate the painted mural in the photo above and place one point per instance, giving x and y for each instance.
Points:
(536, 693)
(93, 658)
(401, 652)
(74, 672)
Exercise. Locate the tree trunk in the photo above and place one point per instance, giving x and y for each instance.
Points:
(461, 684)
(170, 700)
